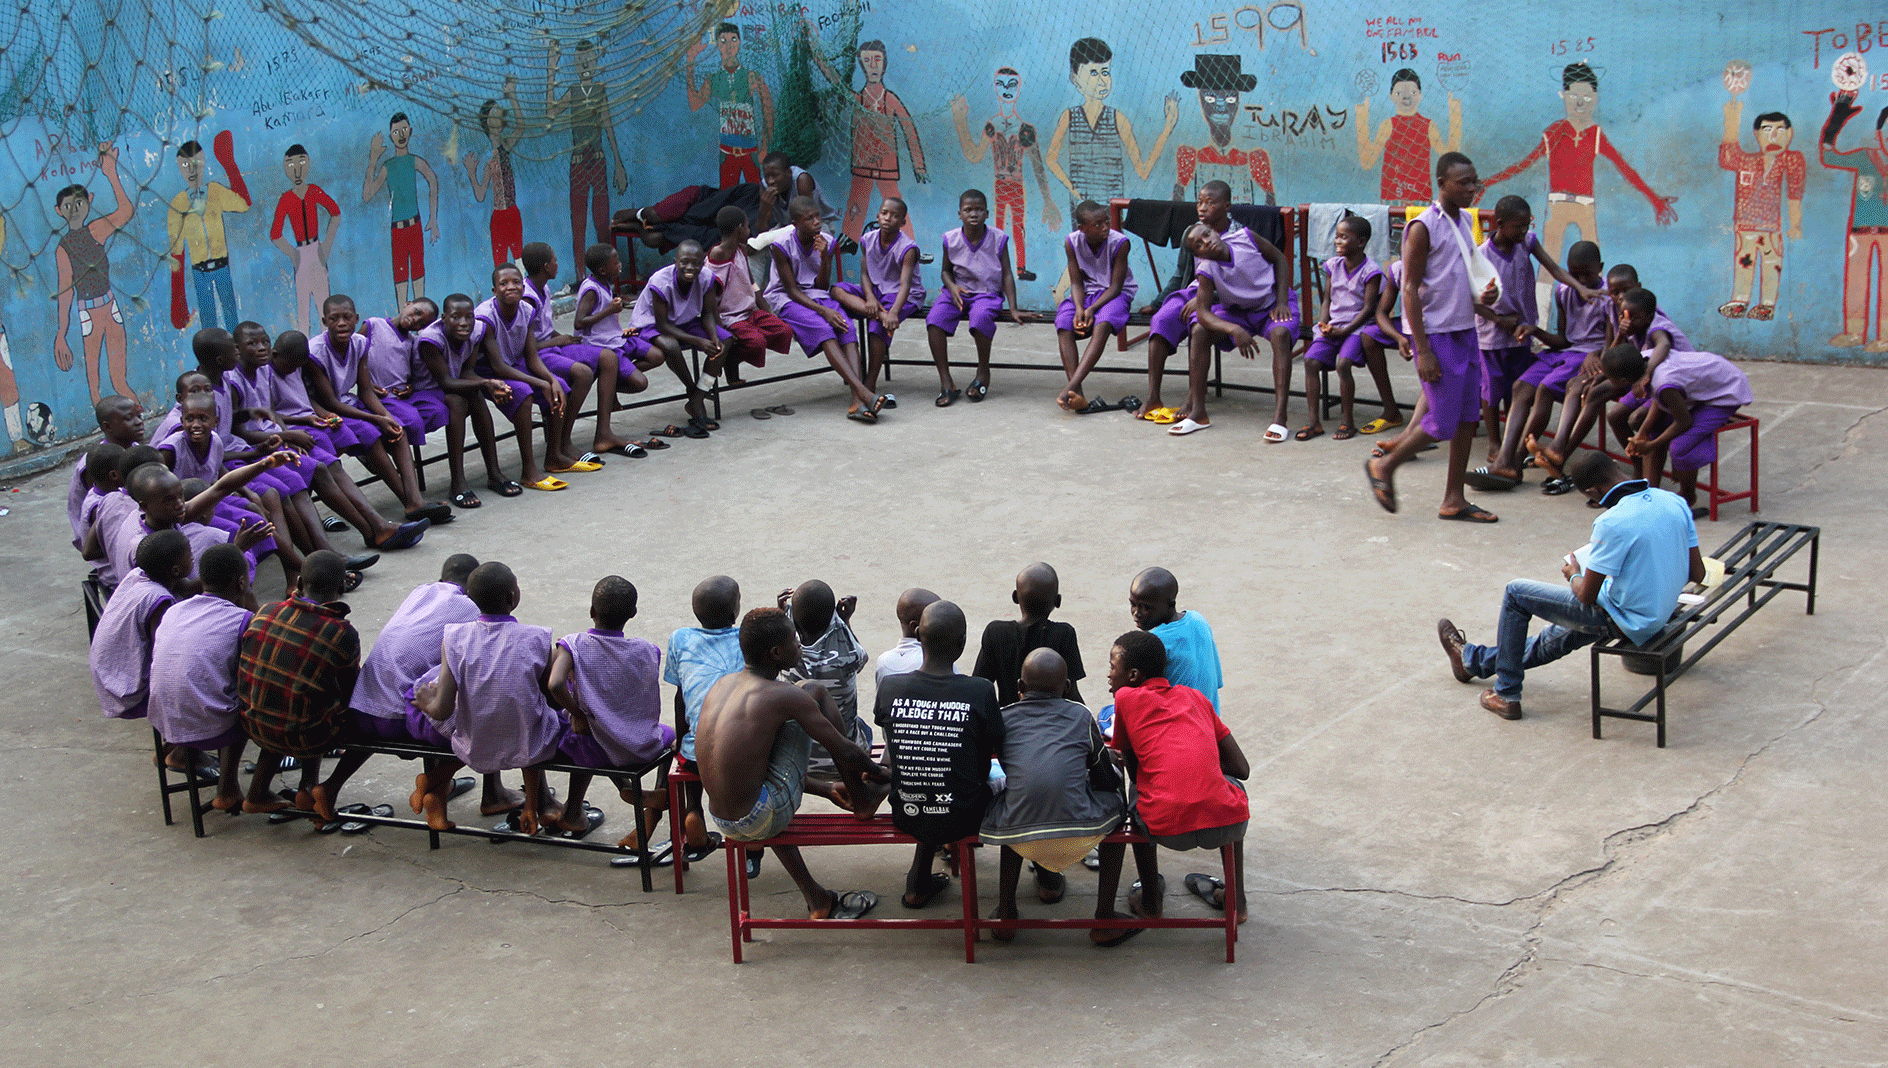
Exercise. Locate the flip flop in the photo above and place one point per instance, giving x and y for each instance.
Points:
(1204, 886)
(707, 849)
(581, 467)
(356, 826)
(548, 484)
(853, 904)
(461, 785)
(760, 413)
(1554, 487)
(1188, 426)
(362, 561)
(890, 401)
(1095, 406)
(1162, 416)
(780, 409)
(332, 524)
(331, 826)
(1119, 937)
(948, 398)
(468, 499)
(1483, 478)
(1276, 433)
(1379, 425)
(694, 430)
(977, 390)
(878, 403)
(670, 431)
(936, 884)
(591, 458)
(653, 444)
(663, 857)
(1134, 898)
(405, 536)
(437, 513)
(1470, 514)
(863, 415)
(1344, 432)
(704, 422)
(1309, 432)
(752, 861)
(1382, 489)
(592, 819)
(1130, 404)
(507, 488)
(351, 581)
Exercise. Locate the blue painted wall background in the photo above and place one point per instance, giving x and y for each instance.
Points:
(149, 77)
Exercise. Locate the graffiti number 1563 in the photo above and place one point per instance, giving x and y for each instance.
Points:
(1564, 45)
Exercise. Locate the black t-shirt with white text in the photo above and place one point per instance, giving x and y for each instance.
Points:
(940, 734)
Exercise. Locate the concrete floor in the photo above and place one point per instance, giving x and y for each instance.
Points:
(1431, 885)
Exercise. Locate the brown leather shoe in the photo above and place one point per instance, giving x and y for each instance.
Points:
(1500, 705)
(1452, 642)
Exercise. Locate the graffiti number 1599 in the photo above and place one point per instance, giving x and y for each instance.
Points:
(1577, 44)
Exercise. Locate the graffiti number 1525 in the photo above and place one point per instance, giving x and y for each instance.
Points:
(1564, 45)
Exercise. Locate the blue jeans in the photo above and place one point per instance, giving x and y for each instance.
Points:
(212, 286)
(1570, 625)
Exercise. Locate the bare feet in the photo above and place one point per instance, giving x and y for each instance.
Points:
(629, 841)
(572, 820)
(435, 805)
(323, 800)
(501, 801)
(230, 803)
(273, 804)
(418, 798)
(1545, 457)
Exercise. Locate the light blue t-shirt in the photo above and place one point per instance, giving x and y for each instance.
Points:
(1642, 544)
(1192, 655)
(697, 659)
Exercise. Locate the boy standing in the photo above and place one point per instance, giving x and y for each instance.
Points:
(977, 284)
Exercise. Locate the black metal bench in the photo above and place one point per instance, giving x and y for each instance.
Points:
(1751, 559)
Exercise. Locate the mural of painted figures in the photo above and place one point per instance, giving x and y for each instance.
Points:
(588, 102)
(1404, 141)
(399, 175)
(507, 225)
(308, 249)
(198, 240)
(35, 430)
(1100, 139)
(879, 122)
(1766, 178)
(741, 100)
(1008, 139)
(1572, 145)
(1220, 83)
(1867, 254)
(85, 278)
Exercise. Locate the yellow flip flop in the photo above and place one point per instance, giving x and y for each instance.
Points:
(548, 484)
(1378, 426)
(582, 467)
(1162, 416)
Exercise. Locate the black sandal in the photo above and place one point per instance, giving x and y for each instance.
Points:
(978, 390)
(468, 499)
(948, 397)
(506, 488)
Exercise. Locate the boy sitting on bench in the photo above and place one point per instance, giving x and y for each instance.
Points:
(121, 646)
(751, 747)
(699, 657)
(193, 669)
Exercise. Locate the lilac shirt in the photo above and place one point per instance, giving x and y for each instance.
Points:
(457, 357)
(122, 541)
(541, 324)
(1515, 268)
(501, 719)
(512, 334)
(193, 668)
(186, 463)
(802, 261)
(1585, 320)
(344, 367)
(76, 493)
(291, 394)
(1447, 303)
(175, 417)
(121, 647)
(390, 353)
(1705, 378)
(1660, 321)
(683, 307)
(885, 266)
(114, 510)
(259, 392)
(408, 647)
(979, 268)
(1246, 280)
(607, 331)
(1347, 287)
(1098, 267)
(615, 680)
(99, 506)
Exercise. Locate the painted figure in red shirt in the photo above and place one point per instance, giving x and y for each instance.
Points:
(1008, 140)
(299, 210)
(1220, 83)
(1765, 179)
(1405, 140)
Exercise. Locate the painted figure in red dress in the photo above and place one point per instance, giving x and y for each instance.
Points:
(1405, 140)
(879, 122)
(1220, 83)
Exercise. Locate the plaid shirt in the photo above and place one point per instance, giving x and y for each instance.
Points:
(296, 674)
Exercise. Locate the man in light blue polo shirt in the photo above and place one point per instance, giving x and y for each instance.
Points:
(1644, 551)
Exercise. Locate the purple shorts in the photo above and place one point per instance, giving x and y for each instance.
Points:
(323, 453)
(520, 394)
(1553, 370)
(592, 356)
(586, 751)
(286, 480)
(1457, 399)
(229, 516)
(981, 311)
(1114, 313)
(355, 436)
(1328, 353)
(809, 327)
(914, 306)
(1257, 321)
(1501, 369)
(227, 738)
(420, 726)
(1697, 447)
(419, 412)
(1170, 321)
(374, 729)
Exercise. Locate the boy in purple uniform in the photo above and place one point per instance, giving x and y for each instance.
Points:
(558, 382)
(338, 383)
(798, 290)
(1580, 332)
(489, 700)
(108, 507)
(1170, 322)
(450, 349)
(195, 451)
(393, 368)
(407, 648)
(193, 669)
(101, 463)
(121, 646)
(616, 371)
(891, 291)
(677, 310)
(1244, 294)
(1100, 289)
(160, 497)
(608, 684)
(976, 284)
(1693, 394)
(121, 419)
(1349, 335)
(1439, 314)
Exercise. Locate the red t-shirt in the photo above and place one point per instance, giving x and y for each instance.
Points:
(1175, 736)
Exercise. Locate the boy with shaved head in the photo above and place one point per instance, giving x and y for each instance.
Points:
(1006, 642)
(830, 655)
(122, 420)
(1192, 654)
(908, 654)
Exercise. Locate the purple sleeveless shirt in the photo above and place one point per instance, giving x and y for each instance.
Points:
(1660, 321)
(1585, 319)
(457, 357)
(193, 668)
(389, 353)
(1098, 267)
(804, 263)
(408, 647)
(501, 720)
(1705, 377)
(617, 683)
(1515, 268)
(186, 462)
(683, 307)
(121, 647)
(979, 268)
(511, 334)
(884, 266)
(1347, 287)
(1246, 280)
(607, 331)
(344, 368)
(540, 300)
(1447, 303)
